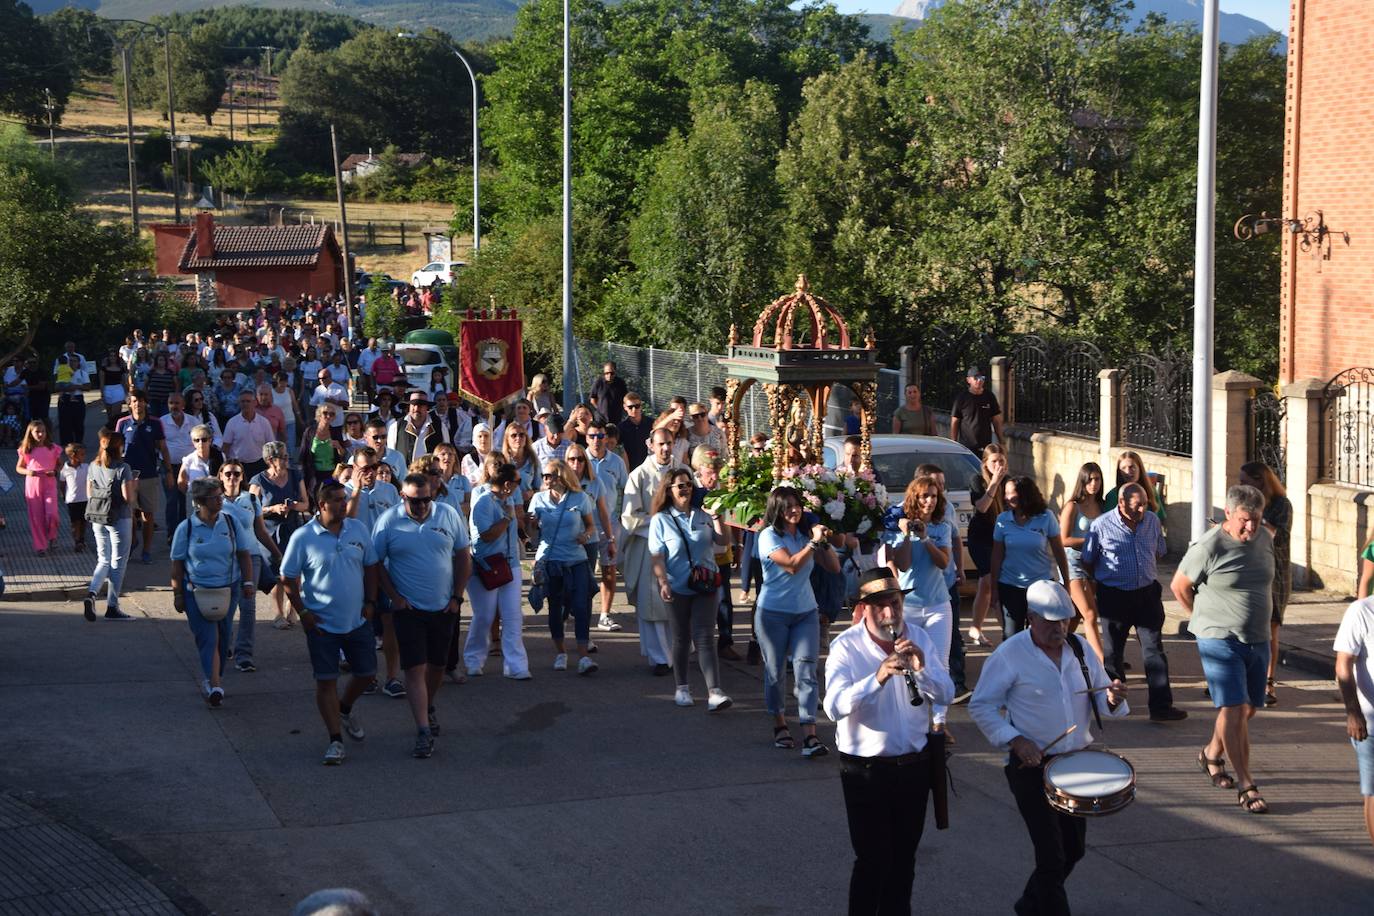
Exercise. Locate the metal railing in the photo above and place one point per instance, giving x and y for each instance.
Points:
(1265, 421)
(943, 355)
(1055, 384)
(1347, 441)
(1158, 394)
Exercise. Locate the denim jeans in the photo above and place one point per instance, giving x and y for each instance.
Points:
(212, 636)
(569, 592)
(174, 511)
(248, 614)
(691, 621)
(111, 558)
(782, 634)
(956, 643)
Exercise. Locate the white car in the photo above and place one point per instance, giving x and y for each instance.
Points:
(443, 271)
(896, 457)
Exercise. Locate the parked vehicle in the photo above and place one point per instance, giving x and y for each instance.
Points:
(443, 271)
(422, 350)
(896, 458)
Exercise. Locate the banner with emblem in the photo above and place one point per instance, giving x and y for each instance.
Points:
(491, 363)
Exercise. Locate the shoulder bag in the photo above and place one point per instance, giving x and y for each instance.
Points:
(703, 579)
(494, 571)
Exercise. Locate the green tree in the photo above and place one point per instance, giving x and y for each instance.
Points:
(32, 68)
(704, 245)
(198, 74)
(841, 182)
(83, 40)
(42, 236)
(243, 169)
(381, 315)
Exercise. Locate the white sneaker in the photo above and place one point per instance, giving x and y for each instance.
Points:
(474, 672)
(560, 662)
(335, 755)
(352, 725)
(607, 624)
(683, 697)
(586, 666)
(718, 701)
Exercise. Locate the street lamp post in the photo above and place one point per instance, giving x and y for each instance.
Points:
(476, 177)
(126, 67)
(569, 373)
(1203, 292)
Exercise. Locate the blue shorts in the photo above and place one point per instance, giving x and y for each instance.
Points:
(1364, 755)
(1235, 671)
(357, 647)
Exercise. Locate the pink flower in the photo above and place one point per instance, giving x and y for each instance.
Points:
(869, 500)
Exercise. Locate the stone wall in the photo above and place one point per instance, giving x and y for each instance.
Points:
(1338, 518)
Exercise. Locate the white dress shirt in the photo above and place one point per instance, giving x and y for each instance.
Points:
(178, 438)
(1042, 699)
(332, 393)
(244, 439)
(878, 720)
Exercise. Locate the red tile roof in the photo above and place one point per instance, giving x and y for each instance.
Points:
(260, 246)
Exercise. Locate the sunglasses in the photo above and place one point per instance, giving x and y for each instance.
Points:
(418, 500)
(378, 438)
(570, 460)
(682, 487)
(550, 476)
(633, 406)
(696, 416)
(231, 473)
(368, 467)
(201, 439)
(596, 435)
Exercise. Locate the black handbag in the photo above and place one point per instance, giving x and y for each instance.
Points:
(703, 579)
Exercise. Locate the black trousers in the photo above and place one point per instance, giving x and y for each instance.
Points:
(886, 807)
(1121, 609)
(71, 420)
(1059, 841)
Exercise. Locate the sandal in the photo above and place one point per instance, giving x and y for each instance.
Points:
(1255, 804)
(1222, 780)
(782, 738)
(1270, 697)
(812, 747)
(976, 636)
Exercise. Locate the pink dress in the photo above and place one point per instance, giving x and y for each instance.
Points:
(41, 493)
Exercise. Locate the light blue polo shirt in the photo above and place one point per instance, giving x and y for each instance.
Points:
(1027, 558)
(559, 525)
(487, 511)
(924, 578)
(209, 553)
(784, 592)
(458, 489)
(666, 530)
(331, 571)
(611, 474)
(397, 461)
(594, 490)
(374, 501)
(419, 555)
(248, 510)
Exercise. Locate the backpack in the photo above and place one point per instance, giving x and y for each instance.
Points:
(106, 503)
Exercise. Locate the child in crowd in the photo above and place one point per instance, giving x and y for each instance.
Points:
(73, 477)
(11, 425)
(39, 462)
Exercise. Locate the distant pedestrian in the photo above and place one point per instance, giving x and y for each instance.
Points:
(145, 448)
(73, 478)
(635, 428)
(263, 551)
(1026, 548)
(913, 418)
(985, 490)
(1130, 468)
(39, 462)
(112, 492)
(608, 394)
(1082, 507)
(641, 588)
(1278, 521)
(1223, 583)
(561, 519)
(493, 529)
(330, 576)
(975, 414)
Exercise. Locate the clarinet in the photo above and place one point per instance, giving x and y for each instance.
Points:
(894, 632)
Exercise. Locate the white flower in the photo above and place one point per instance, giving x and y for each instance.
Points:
(849, 485)
(835, 508)
(864, 526)
(808, 484)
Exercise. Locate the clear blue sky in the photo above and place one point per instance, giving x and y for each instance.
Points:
(1273, 13)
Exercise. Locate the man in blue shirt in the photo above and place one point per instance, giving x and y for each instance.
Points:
(144, 443)
(329, 571)
(423, 546)
(1121, 553)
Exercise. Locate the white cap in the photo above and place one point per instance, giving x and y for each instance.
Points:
(1049, 600)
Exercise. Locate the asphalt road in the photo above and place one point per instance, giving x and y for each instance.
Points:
(598, 795)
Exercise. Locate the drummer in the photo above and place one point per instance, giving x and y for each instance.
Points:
(1044, 689)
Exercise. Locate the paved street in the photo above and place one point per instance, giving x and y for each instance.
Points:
(593, 795)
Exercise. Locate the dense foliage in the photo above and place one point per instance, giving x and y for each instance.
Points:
(32, 67)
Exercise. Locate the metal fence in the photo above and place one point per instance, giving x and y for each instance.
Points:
(942, 357)
(1265, 425)
(660, 375)
(1055, 384)
(1158, 394)
(1347, 442)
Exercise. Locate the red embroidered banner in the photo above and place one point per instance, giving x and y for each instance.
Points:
(491, 363)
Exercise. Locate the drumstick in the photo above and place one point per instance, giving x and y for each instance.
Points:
(1072, 729)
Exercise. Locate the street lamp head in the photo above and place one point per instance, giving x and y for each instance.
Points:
(207, 199)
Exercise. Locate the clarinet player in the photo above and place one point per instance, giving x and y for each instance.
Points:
(881, 734)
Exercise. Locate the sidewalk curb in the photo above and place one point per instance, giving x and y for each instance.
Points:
(1307, 661)
(155, 875)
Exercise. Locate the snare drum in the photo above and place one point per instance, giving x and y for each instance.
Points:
(1089, 783)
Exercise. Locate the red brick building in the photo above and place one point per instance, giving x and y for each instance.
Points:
(235, 266)
(1327, 293)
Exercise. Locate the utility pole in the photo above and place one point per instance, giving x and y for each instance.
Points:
(52, 143)
(343, 241)
(231, 109)
(124, 55)
(1203, 289)
(569, 372)
(172, 124)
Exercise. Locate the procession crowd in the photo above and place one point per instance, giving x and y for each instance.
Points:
(276, 456)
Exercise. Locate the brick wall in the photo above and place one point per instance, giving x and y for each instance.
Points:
(1327, 313)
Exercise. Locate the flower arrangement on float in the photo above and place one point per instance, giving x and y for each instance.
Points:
(846, 502)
